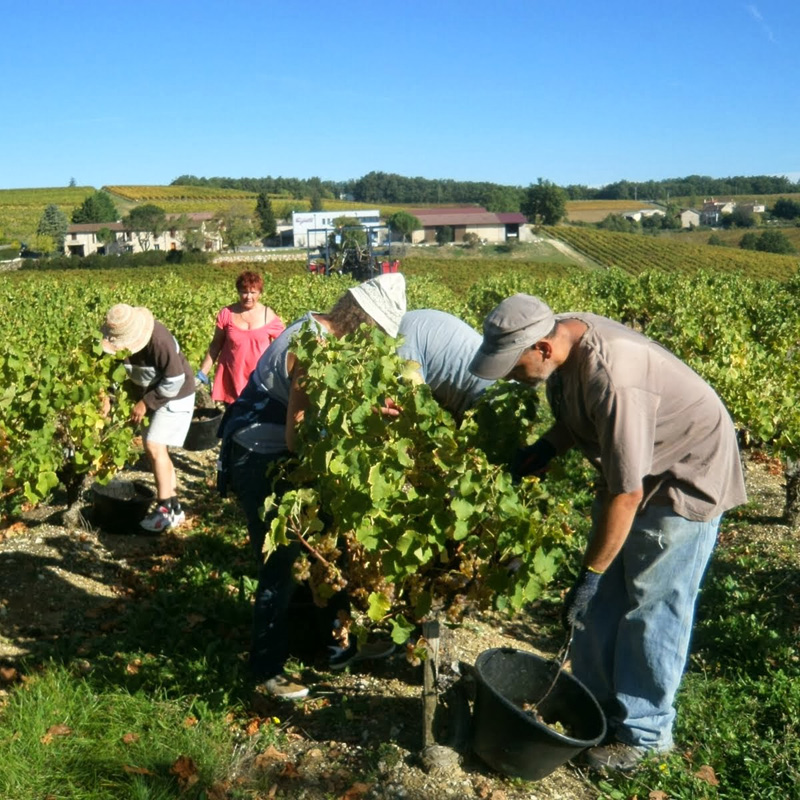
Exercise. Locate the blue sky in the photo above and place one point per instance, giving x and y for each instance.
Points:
(574, 91)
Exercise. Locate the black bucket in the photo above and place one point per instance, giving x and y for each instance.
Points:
(510, 739)
(119, 506)
(202, 433)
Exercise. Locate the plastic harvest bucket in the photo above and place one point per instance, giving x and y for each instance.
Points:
(119, 506)
(510, 739)
(202, 433)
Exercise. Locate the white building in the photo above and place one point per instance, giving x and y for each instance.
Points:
(311, 227)
(690, 218)
(81, 238)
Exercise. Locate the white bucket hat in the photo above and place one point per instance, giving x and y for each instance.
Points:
(384, 299)
(127, 328)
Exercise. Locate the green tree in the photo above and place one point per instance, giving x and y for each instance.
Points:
(620, 224)
(53, 223)
(403, 223)
(146, 222)
(785, 208)
(97, 207)
(672, 218)
(193, 239)
(544, 203)
(106, 235)
(236, 225)
(351, 231)
(739, 218)
(444, 234)
(472, 240)
(775, 242)
(315, 201)
(265, 216)
(504, 198)
(749, 241)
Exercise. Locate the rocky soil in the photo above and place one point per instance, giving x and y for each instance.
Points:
(50, 577)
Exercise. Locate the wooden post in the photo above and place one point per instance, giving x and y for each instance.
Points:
(430, 632)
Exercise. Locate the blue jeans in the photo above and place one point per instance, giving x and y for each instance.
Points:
(633, 649)
(269, 645)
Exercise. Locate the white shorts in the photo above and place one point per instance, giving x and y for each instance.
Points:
(170, 423)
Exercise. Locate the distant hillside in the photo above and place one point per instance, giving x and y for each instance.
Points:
(20, 209)
(636, 252)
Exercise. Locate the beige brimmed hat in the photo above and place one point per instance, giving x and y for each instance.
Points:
(384, 299)
(127, 328)
(510, 328)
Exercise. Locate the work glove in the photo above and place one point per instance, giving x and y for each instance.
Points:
(578, 598)
(201, 377)
(532, 460)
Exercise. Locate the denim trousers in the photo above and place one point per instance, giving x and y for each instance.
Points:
(632, 650)
(269, 644)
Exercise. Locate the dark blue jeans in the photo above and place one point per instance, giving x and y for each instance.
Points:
(269, 645)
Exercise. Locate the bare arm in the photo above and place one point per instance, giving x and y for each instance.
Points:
(213, 350)
(298, 402)
(613, 530)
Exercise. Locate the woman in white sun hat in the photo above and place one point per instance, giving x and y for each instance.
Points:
(259, 429)
(163, 380)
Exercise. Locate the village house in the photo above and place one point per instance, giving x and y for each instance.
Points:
(84, 239)
(490, 227)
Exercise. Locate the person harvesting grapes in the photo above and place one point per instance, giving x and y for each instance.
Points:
(258, 429)
(666, 451)
(162, 379)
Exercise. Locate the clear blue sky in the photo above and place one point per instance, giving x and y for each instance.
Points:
(574, 91)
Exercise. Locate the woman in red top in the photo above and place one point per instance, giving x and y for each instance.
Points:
(244, 331)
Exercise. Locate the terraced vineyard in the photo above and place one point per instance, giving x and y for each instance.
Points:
(596, 210)
(635, 253)
(156, 194)
(20, 209)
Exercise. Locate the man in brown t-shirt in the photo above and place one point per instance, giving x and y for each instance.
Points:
(666, 451)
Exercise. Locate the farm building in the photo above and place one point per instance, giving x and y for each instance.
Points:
(690, 218)
(712, 211)
(490, 227)
(311, 227)
(639, 214)
(82, 238)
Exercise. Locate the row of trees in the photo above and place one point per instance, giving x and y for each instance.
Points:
(387, 187)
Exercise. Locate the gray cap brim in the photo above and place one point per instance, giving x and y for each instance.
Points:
(493, 366)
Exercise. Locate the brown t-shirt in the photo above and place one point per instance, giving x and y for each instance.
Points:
(645, 419)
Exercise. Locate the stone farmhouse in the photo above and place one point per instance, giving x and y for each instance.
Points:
(712, 211)
(492, 228)
(82, 238)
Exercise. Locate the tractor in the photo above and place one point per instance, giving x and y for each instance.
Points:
(352, 250)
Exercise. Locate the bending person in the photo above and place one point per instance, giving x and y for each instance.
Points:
(162, 377)
(258, 430)
(666, 451)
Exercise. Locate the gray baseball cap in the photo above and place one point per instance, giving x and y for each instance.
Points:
(517, 323)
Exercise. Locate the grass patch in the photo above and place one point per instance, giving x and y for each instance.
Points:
(63, 738)
(739, 706)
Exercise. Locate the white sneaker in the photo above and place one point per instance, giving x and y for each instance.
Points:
(177, 518)
(159, 520)
(286, 689)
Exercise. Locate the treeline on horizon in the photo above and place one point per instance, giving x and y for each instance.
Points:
(387, 188)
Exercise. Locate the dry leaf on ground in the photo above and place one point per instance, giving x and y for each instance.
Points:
(706, 773)
(137, 770)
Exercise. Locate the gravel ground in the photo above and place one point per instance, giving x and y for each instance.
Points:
(52, 577)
